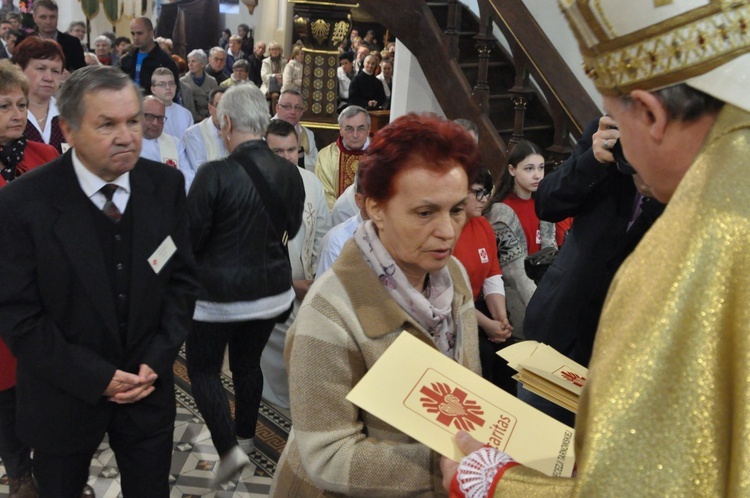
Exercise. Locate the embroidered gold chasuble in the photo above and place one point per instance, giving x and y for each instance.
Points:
(336, 168)
(666, 411)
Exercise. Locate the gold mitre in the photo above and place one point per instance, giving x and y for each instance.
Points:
(652, 44)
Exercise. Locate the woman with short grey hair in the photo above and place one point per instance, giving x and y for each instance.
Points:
(199, 82)
(241, 210)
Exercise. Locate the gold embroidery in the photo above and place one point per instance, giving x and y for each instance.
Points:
(340, 29)
(666, 53)
(320, 30)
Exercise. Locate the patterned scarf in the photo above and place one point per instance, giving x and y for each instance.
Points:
(10, 156)
(275, 65)
(431, 308)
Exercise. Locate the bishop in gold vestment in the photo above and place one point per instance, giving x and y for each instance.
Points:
(666, 408)
(666, 411)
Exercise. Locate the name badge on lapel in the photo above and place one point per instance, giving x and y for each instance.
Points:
(162, 255)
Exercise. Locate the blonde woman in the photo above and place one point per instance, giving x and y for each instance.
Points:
(293, 71)
(272, 71)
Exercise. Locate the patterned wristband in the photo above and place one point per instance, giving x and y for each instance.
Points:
(476, 473)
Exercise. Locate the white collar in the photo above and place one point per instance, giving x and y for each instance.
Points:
(364, 147)
(91, 183)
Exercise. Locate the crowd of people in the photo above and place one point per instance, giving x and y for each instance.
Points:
(198, 210)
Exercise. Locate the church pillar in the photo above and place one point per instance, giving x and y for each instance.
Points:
(322, 26)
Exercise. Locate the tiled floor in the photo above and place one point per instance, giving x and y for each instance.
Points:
(193, 461)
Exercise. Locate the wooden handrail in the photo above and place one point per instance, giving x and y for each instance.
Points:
(544, 61)
(413, 24)
(570, 106)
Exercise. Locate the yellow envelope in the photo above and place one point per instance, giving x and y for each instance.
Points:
(547, 363)
(430, 397)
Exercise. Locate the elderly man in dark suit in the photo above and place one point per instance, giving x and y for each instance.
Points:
(98, 291)
(45, 17)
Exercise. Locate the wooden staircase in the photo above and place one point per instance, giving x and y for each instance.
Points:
(507, 92)
(500, 78)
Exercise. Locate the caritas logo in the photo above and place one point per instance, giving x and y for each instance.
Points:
(451, 406)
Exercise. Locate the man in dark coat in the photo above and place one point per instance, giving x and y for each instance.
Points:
(145, 56)
(610, 218)
(242, 210)
(256, 61)
(45, 17)
(98, 291)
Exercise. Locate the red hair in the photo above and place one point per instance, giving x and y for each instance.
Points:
(182, 66)
(437, 141)
(35, 47)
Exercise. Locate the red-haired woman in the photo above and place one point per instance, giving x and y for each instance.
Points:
(17, 156)
(43, 62)
(395, 275)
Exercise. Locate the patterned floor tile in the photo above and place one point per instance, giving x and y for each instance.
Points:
(194, 456)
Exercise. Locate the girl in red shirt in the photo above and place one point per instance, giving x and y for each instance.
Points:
(518, 230)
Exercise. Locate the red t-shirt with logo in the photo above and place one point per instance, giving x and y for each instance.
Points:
(477, 251)
(524, 209)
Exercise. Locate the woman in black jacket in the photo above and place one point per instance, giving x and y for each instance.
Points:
(242, 209)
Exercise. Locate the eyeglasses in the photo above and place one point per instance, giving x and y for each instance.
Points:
(165, 84)
(150, 117)
(481, 194)
(288, 107)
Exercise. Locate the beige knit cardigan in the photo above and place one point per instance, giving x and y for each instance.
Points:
(344, 325)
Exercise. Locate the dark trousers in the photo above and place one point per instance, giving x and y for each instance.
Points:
(143, 460)
(205, 354)
(16, 455)
(494, 368)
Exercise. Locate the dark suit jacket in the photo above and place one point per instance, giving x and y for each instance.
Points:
(73, 51)
(156, 58)
(57, 310)
(564, 311)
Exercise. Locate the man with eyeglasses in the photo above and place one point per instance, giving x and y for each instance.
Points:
(290, 108)
(145, 56)
(337, 163)
(159, 146)
(164, 87)
(217, 65)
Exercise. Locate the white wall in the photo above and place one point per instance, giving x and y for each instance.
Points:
(271, 20)
(411, 92)
(552, 21)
